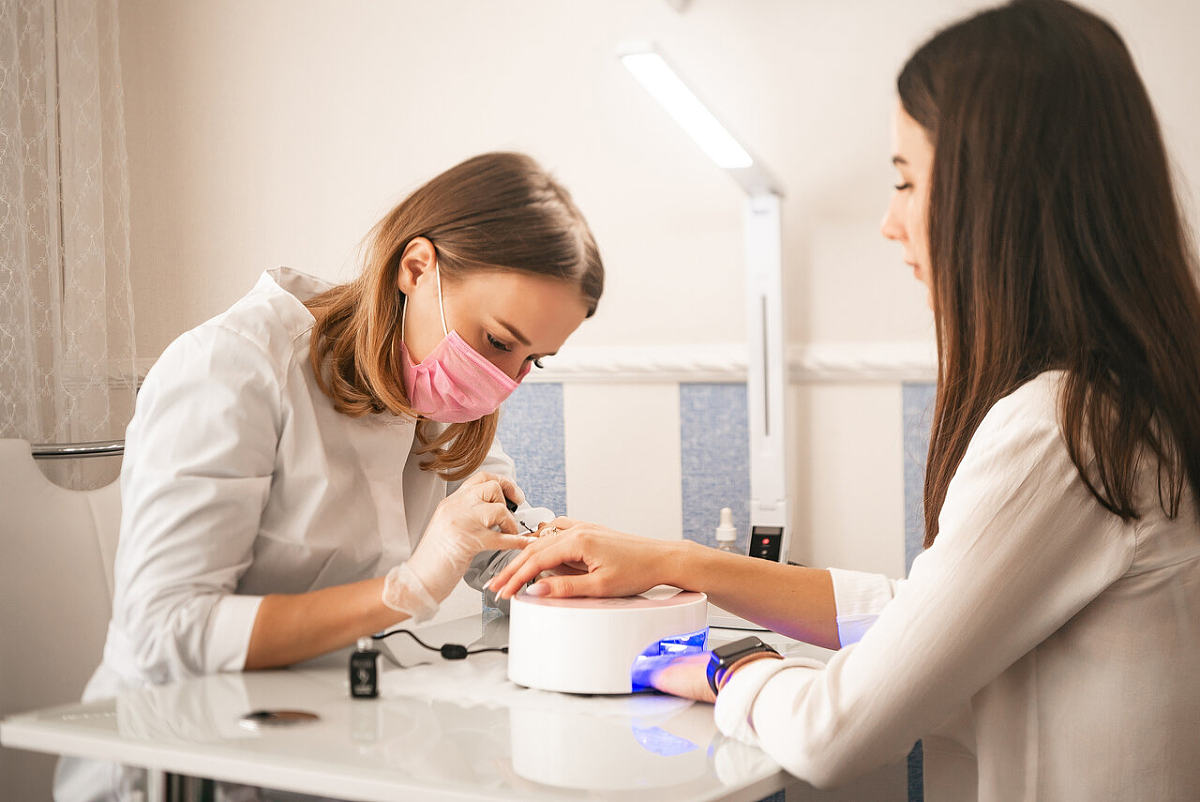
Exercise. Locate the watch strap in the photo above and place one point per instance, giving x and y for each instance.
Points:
(725, 656)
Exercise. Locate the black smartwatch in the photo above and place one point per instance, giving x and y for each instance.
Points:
(725, 656)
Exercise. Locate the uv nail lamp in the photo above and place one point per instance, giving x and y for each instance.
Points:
(587, 645)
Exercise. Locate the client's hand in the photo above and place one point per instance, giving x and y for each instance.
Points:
(686, 675)
(616, 564)
(683, 675)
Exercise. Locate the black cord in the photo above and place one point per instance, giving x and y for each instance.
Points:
(450, 651)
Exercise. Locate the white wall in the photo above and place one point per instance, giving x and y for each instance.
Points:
(276, 131)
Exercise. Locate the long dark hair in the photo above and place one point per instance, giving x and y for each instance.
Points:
(496, 211)
(1056, 242)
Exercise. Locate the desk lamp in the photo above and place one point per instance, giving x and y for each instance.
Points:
(766, 379)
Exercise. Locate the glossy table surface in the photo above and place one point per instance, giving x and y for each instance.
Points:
(439, 730)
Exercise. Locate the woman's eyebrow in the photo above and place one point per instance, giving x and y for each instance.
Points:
(518, 335)
(898, 160)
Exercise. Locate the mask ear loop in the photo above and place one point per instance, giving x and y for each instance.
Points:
(403, 315)
(441, 306)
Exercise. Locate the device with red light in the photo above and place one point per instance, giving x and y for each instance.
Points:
(767, 542)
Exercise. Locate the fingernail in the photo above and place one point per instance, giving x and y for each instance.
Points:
(537, 589)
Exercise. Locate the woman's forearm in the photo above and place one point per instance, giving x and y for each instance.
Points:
(789, 599)
(290, 628)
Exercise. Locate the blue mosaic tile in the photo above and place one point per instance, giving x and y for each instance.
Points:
(714, 447)
(918, 416)
(916, 773)
(532, 433)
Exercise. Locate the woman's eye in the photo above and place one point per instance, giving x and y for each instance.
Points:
(499, 346)
(902, 187)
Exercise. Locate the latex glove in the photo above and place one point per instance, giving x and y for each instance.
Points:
(530, 518)
(472, 519)
(487, 564)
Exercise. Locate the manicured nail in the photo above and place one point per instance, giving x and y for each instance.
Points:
(538, 589)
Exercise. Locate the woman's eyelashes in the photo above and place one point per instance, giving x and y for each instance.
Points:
(504, 347)
(902, 187)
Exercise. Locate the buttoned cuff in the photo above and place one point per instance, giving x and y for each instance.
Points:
(735, 703)
(859, 598)
(227, 638)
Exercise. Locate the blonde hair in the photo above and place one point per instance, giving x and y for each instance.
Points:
(497, 211)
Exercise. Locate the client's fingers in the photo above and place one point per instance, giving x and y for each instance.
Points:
(505, 542)
(503, 576)
(562, 586)
(518, 572)
(537, 557)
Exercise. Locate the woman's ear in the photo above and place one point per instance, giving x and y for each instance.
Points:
(417, 261)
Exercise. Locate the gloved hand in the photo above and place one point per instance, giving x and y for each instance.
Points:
(530, 519)
(472, 519)
(487, 564)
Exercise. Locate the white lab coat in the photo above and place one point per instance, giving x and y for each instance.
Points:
(240, 479)
(1042, 647)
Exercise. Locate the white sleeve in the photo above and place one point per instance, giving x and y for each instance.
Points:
(200, 455)
(1022, 547)
(859, 597)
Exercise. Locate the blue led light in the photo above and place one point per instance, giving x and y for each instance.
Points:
(679, 644)
(657, 654)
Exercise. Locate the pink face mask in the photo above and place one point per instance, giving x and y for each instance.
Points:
(455, 383)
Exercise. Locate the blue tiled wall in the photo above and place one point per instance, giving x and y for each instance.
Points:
(714, 449)
(918, 414)
(531, 431)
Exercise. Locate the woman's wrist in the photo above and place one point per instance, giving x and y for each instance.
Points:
(723, 677)
(686, 561)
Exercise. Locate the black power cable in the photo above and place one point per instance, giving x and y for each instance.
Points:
(450, 651)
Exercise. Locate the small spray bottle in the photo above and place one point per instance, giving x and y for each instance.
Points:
(726, 531)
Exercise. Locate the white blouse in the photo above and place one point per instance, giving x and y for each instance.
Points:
(241, 479)
(1042, 648)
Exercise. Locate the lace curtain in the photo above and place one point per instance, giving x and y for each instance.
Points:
(66, 319)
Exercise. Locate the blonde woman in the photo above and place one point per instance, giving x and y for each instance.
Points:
(284, 482)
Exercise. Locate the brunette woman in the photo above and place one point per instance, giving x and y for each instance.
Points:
(1046, 644)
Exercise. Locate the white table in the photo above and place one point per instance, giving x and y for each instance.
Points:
(439, 731)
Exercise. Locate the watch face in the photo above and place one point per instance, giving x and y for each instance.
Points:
(737, 647)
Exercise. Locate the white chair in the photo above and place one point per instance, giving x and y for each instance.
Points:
(58, 547)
